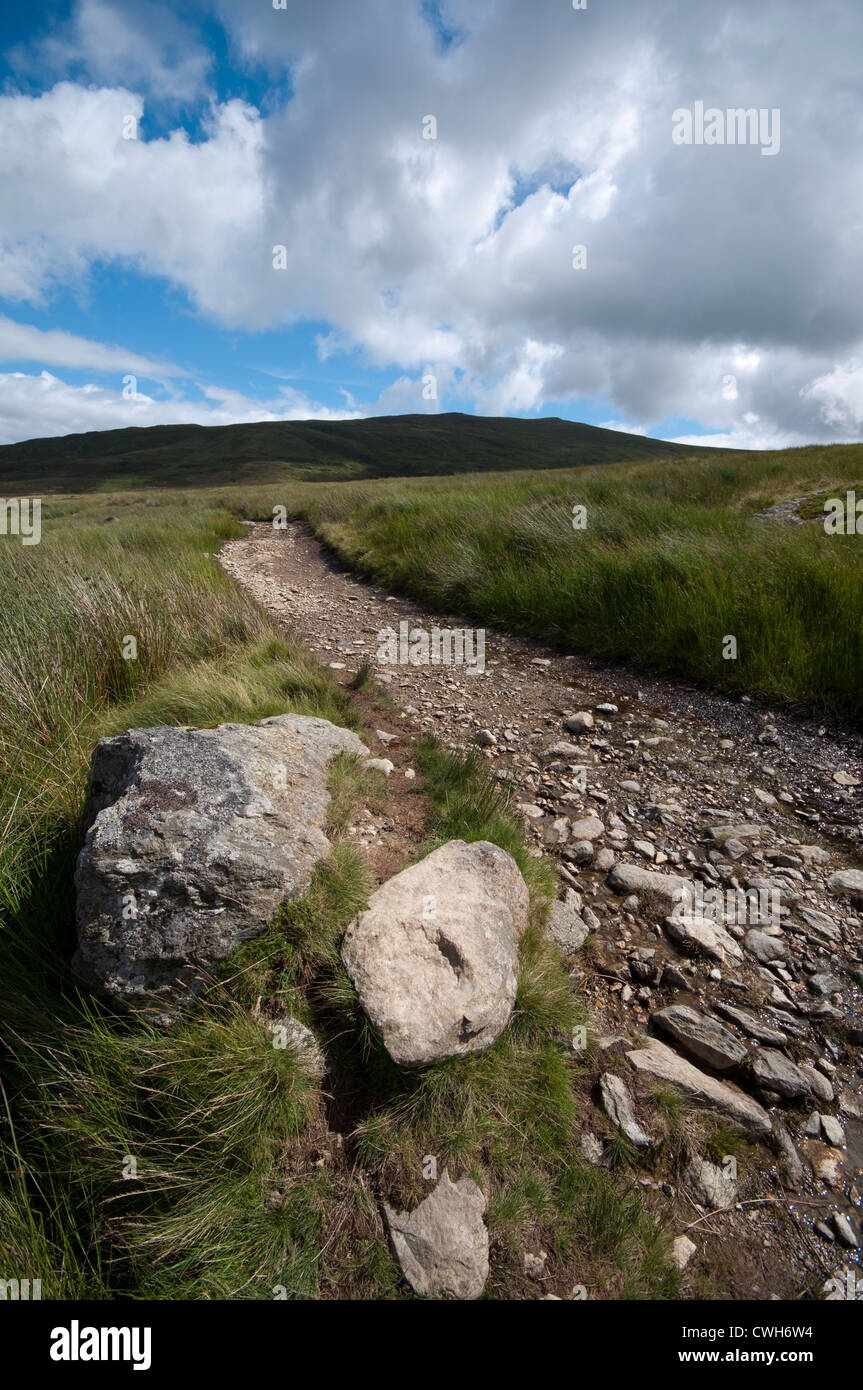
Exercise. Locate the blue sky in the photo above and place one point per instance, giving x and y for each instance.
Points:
(721, 292)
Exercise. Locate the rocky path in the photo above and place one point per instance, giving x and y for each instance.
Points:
(745, 988)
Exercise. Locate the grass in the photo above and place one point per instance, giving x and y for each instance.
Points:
(671, 563)
(187, 1164)
(83, 1089)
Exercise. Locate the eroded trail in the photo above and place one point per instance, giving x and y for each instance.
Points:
(749, 807)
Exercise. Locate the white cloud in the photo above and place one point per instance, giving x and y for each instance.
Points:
(21, 342)
(44, 405)
(142, 45)
(703, 263)
(839, 394)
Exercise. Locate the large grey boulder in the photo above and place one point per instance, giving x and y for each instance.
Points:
(442, 1246)
(193, 839)
(434, 958)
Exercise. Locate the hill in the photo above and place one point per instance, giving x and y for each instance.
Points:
(315, 451)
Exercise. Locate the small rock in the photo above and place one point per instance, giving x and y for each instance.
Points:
(580, 723)
(701, 1036)
(708, 936)
(632, 878)
(833, 1131)
(812, 1127)
(710, 1185)
(682, 1251)
(791, 1169)
(566, 928)
(818, 1084)
(618, 1106)
(442, 1246)
(844, 1230)
(765, 948)
(775, 1072)
(302, 1042)
(379, 765)
(591, 1148)
(826, 1162)
(579, 852)
(590, 828)
(846, 883)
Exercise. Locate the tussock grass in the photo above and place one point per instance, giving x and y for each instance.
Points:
(82, 1087)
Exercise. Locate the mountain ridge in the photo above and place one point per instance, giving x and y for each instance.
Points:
(318, 450)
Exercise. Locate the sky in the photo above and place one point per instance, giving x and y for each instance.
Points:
(234, 210)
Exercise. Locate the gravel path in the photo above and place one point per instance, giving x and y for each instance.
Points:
(730, 795)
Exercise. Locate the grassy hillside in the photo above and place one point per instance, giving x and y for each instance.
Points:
(401, 445)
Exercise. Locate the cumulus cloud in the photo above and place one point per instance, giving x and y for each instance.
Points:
(553, 131)
(144, 45)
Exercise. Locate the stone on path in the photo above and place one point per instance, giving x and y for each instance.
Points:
(701, 933)
(632, 878)
(774, 1071)
(434, 958)
(701, 1035)
(846, 883)
(682, 1251)
(618, 1106)
(664, 1064)
(566, 927)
